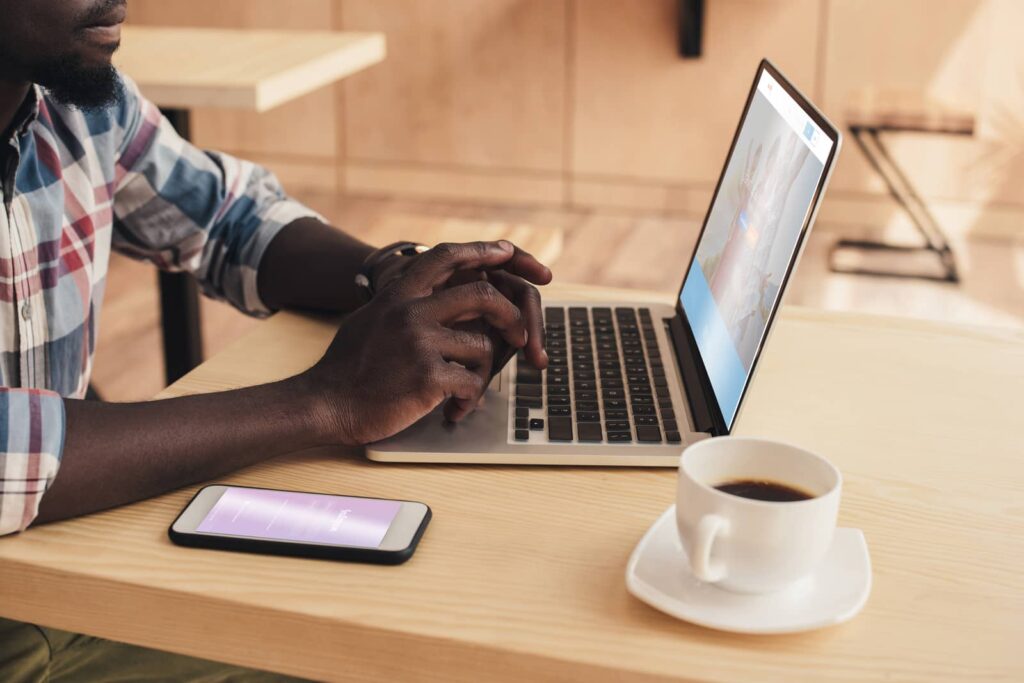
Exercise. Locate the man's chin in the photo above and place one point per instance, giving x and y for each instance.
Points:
(83, 81)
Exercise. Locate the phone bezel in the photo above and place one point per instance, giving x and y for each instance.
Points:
(399, 537)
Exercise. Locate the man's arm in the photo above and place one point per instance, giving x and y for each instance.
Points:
(311, 265)
(391, 362)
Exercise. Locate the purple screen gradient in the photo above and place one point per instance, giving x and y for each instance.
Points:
(301, 517)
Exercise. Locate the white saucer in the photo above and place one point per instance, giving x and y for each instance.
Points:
(658, 573)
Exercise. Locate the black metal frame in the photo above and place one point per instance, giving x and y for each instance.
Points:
(691, 28)
(179, 298)
(907, 197)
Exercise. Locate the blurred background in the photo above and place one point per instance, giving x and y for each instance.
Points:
(583, 116)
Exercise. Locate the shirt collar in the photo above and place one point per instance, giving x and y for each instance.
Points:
(27, 113)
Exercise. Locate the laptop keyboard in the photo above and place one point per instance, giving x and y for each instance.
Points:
(605, 382)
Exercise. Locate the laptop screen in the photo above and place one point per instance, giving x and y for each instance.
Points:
(752, 236)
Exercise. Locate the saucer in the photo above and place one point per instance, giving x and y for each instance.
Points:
(659, 574)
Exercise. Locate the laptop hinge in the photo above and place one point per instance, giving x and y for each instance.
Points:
(697, 390)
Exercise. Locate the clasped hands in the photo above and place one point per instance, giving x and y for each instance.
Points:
(436, 332)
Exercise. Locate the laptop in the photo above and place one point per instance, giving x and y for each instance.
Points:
(631, 384)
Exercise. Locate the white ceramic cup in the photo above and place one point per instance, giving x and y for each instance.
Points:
(754, 546)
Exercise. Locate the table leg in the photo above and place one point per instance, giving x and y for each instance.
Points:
(179, 299)
(903, 192)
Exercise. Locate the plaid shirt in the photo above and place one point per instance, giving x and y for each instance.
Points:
(75, 185)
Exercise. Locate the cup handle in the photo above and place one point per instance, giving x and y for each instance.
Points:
(700, 561)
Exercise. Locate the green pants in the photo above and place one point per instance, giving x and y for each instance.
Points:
(31, 653)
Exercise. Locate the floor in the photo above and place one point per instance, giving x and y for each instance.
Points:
(622, 249)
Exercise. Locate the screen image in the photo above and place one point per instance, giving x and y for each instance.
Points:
(751, 236)
(300, 517)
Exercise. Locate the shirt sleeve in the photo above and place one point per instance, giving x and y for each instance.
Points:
(31, 438)
(186, 209)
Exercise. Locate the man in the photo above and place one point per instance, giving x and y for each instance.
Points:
(87, 164)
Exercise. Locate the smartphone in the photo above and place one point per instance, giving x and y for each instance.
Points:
(301, 524)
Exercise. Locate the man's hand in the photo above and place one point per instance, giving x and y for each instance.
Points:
(514, 279)
(429, 336)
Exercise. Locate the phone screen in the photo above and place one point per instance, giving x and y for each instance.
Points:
(300, 517)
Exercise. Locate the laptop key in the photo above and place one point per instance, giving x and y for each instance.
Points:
(588, 431)
(559, 411)
(557, 401)
(645, 420)
(670, 426)
(588, 417)
(586, 395)
(619, 437)
(526, 374)
(537, 424)
(615, 404)
(587, 406)
(522, 435)
(660, 381)
(616, 415)
(644, 410)
(522, 423)
(617, 426)
(560, 428)
(672, 437)
(648, 434)
(523, 402)
(554, 315)
(665, 403)
(522, 412)
(529, 390)
(562, 390)
(668, 414)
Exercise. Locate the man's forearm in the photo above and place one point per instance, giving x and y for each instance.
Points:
(312, 265)
(119, 453)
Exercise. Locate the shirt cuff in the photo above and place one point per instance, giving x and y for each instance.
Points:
(32, 430)
(280, 214)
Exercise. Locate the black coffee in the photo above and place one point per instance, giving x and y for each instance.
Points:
(759, 489)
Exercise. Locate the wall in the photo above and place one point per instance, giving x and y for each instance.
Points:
(586, 103)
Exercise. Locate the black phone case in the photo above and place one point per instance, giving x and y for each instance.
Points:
(322, 552)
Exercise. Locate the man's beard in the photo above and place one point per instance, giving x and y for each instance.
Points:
(73, 84)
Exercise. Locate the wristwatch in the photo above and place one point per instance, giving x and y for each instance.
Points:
(365, 279)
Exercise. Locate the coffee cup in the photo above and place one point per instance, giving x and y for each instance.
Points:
(772, 530)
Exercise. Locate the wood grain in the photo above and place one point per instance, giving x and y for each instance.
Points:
(520, 576)
(643, 112)
(306, 127)
(479, 84)
(251, 69)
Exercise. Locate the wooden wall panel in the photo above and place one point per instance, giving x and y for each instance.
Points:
(938, 48)
(643, 112)
(469, 83)
(302, 130)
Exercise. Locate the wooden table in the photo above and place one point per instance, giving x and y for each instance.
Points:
(182, 68)
(520, 575)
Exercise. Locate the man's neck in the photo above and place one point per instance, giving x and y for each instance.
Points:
(12, 94)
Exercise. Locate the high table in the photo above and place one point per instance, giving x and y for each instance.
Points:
(520, 576)
(182, 68)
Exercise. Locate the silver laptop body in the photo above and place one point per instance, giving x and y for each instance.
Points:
(774, 176)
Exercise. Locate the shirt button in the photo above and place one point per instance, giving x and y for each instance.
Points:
(26, 311)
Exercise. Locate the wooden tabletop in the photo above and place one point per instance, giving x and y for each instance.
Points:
(520, 576)
(244, 69)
